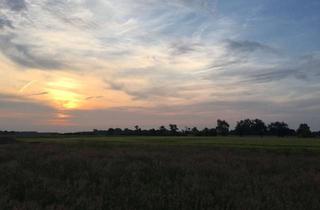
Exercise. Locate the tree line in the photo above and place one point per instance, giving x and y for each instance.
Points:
(247, 127)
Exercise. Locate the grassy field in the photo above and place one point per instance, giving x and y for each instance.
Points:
(230, 142)
(160, 173)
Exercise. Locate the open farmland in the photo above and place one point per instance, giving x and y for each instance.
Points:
(160, 173)
(291, 143)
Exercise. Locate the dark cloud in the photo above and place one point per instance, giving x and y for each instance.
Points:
(19, 113)
(250, 62)
(153, 92)
(4, 22)
(15, 5)
(248, 46)
(23, 54)
(21, 104)
(239, 53)
(311, 63)
(94, 98)
(180, 48)
(303, 68)
(170, 85)
(272, 75)
(147, 93)
(39, 94)
(224, 64)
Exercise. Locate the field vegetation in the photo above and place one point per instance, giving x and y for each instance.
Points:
(160, 173)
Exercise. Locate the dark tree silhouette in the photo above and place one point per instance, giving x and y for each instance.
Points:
(163, 130)
(222, 127)
(138, 130)
(304, 130)
(251, 127)
(280, 129)
(243, 127)
(205, 132)
(173, 129)
(259, 127)
(195, 131)
(110, 131)
(187, 131)
(118, 131)
(212, 132)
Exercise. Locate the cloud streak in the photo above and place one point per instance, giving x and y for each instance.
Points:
(150, 53)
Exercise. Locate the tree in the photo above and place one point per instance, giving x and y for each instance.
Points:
(244, 127)
(117, 131)
(251, 127)
(127, 132)
(163, 130)
(173, 129)
(137, 130)
(280, 129)
(304, 130)
(195, 131)
(95, 131)
(205, 132)
(212, 132)
(259, 127)
(152, 132)
(222, 127)
(110, 131)
(186, 131)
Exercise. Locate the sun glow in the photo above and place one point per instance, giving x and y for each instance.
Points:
(63, 93)
(65, 99)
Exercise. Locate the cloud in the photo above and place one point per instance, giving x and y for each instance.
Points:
(154, 53)
(202, 114)
(94, 97)
(184, 47)
(25, 54)
(305, 68)
(5, 23)
(21, 113)
(248, 46)
(13, 104)
(39, 94)
(271, 75)
(146, 93)
(14, 5)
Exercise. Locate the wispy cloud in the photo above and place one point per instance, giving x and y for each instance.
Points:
(150, 53)
(248, 46)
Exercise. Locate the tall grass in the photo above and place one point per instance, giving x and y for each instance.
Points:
(53, 176)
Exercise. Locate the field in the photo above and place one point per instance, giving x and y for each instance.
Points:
(160, 173)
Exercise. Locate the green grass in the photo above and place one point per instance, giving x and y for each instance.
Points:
(231, 142)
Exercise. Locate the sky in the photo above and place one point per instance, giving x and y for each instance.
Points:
(71, 65)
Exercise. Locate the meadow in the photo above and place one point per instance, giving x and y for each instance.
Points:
(160, 173)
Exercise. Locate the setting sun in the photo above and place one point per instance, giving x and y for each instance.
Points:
(65, 99)
(63, 93)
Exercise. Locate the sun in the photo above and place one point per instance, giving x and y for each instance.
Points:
(63, 93)
(65, 99)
